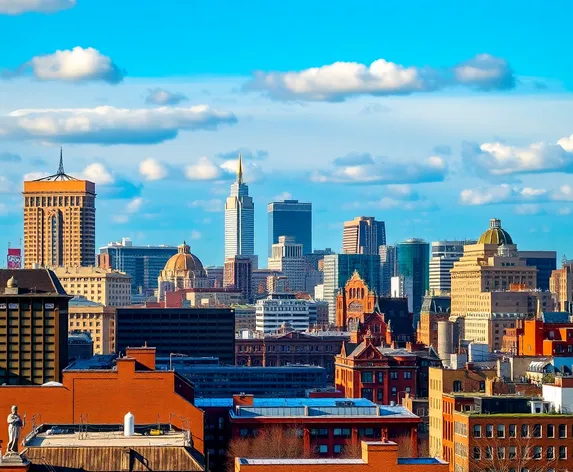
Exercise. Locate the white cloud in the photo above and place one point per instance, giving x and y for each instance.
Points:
(121, 219)
(213, 205)
(35, 175)
(73, 65)
(498, 159)
(529, 209)
(98, 174)
(160, 96)
(340, 80)
(282, 196)
(204, 169)
(401, 197)
(17, 7)
(110, 125)
(152, 169)
(251, 171)
(195, 234)
(378, 170)
(503, 193)
(134, 205)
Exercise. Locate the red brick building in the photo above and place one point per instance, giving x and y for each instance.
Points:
(383, 375)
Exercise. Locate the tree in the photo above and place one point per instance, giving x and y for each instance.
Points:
(276, 442)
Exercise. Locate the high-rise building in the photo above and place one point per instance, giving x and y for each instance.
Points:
(59, 221)
(215, 274)
(280, 308)
(387, 268)
(290, 218)
(287, 258)
(561, 286)
(238, 275)
(142, 263)
(544, 261)
(33, 327)
(413, 261)
(338, 268)
(239, 219)
(444, 254)
(108, 287)
(363, 235)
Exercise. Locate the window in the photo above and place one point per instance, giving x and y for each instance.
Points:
(537, 454)
(367, 377)
(550, 431)
(367, 393)
(512, 452)
(394, 390)
(323, 449)
(380, 377)
(457, 386)
(537, 431)
(489, 431)
(488, 452)
(550, 453)
(337, 449)
(477, 453)
(407, 375)
(524, 430)
(562, 452)
(477, 431)
(394, 375)
(501, 452)
(501, 431)
(562, 431)
(512, 431)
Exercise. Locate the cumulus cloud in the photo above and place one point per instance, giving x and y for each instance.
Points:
(251, 170)
(505, 193)
(402, 197)
(500, 159)
(365, 169)
(17, 7)
(204, 169)
(71, 65)
(134, 205)
(98, 174)
(108, 125)
(152, 169)
(162, 97)
(211, 206)
(341, 80)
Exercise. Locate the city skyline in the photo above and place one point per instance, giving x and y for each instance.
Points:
(463, 148)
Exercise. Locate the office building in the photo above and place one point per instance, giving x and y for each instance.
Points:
(59, 221)
(363, 235)
(182, 271)
(403, 287)
(239, 219)
(287, 258)
(279, 309)
(102, 394)
(195, 332)
(561, 286)
(413, 261)
(108, 287)
(215, 274)
(238, 275)
(245, 318)
(443, 256)
(213, 380)
(387, 268)
(95, 319)
(293, 219)
(338, 268)
(544, 261)
(142, 263)
(261, 282)
(80, 346)
(33, 327)
(203, 298)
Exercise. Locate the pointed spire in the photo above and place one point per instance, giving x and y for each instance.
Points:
(61, 166)
(240, 170)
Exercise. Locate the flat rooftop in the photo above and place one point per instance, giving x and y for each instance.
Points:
(103, 439)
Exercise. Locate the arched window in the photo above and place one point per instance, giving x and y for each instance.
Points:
(457, 386)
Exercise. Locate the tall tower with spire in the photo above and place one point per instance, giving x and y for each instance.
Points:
(59, 221)
(239, 218)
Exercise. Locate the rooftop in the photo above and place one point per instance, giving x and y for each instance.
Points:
(32, 282)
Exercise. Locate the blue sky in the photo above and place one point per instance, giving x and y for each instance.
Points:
(433, 117)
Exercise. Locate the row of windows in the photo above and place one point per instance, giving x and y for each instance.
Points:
(525, 431)
(526, 452)
(368, 377)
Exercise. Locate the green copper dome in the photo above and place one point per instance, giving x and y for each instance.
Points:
(495, 235)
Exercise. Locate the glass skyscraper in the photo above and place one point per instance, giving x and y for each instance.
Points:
(239, 219)
(338, 268)
(413, 257)
(290, 218)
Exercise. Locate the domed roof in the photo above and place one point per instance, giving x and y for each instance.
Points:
(495, 234)
(184, 260)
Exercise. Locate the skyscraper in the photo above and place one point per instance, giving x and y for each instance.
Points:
(238, 275)
(239, 219)
(387, 268)
(338, 268)
(544, 261)
(413, 261)
(290, 218)
(363, 235)
(444, 254)
(287, 258)
(59, 221)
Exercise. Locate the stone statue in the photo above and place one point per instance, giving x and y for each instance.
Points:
(15, 424)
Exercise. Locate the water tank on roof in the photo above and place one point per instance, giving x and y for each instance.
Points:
(128, 425)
